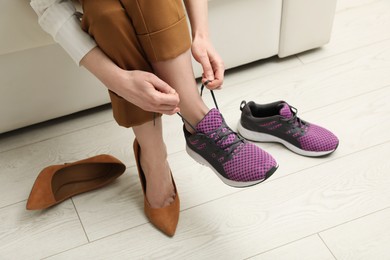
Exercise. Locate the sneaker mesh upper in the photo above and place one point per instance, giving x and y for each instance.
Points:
(318, 139)
(249, 162)
(315, 138)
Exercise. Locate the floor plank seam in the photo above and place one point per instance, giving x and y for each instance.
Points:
(323, 241)
(61, 252)
(57, 136)
(58, 253)
(12, 204)
(354, 219)
(342, 52)
(346, 99)
(356, 7)
(297, 56)
(318, 233)
(265, 61)
(276, 247)
(73, 248)
(101, 238)
(81, 222)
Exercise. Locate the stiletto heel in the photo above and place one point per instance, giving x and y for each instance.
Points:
(166, 218)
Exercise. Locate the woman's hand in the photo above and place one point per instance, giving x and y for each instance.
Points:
(202, 48)
(212, 64)
(143, 89)
(148, 92)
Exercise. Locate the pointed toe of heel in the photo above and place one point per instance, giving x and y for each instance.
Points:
(165, 219)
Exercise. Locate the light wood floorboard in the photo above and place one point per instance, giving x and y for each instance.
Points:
(343, 5)
(364, 238)
(34, 235)
(356, 25)
(261, 218)
(54, 128)
(308, 248)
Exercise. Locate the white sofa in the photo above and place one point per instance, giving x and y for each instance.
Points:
(38, 81)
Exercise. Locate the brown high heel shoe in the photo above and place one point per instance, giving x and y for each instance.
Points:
(166, 218)
(57, 183)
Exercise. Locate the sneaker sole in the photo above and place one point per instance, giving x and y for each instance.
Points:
(261, 137)
(199, 159)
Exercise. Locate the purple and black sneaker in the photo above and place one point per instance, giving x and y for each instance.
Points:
(237, 162)
(278, 122)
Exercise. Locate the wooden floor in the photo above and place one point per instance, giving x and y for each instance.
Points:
(336, 207)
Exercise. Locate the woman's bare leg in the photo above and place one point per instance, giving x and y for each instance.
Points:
(178, 73)
(159, 189)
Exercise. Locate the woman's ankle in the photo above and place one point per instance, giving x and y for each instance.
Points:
(191, 120)
(160, 191)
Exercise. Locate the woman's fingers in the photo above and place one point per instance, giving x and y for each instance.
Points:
(162, 97)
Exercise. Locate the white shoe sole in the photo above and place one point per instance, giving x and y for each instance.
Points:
(261, 137)
(194, 155)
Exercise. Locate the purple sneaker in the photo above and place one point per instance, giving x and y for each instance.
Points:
(278, 122)
(237, 162)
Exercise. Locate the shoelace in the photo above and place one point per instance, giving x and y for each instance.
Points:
(295, 120)
(222, 135)
(201, 93)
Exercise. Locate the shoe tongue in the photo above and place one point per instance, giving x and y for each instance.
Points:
(210, 122)
(285, 111)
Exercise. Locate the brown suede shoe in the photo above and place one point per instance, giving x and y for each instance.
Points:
(166, 218)
(57, 183)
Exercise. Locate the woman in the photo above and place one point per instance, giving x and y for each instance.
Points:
(141, 50)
